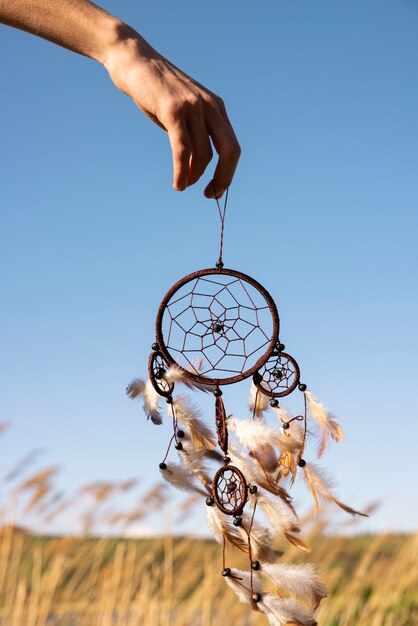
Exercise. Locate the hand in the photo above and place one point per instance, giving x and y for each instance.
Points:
(193, 116)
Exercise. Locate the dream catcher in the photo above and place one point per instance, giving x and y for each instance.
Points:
(214, 328)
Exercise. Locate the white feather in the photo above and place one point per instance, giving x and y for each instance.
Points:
(283, 520)
(201, 435)
(328, 427)
(281, 612)
(298, 580)
(260, 538)
(151, 400)
(135, 388)
(176, 374)
(240, 582)
(257, 402)
(253, 433)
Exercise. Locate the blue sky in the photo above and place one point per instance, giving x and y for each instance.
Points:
(323, 211)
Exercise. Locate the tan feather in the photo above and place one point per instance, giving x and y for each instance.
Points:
(326, 422)
(201, 435)
(260, 538)
(135, 388)
(299, 580)
(181, 478)
(151, 401)
(177, 374)
(321, 485)
(194, 459)
(283, 519)
(258, 402)
(222, 529)
(240, 583)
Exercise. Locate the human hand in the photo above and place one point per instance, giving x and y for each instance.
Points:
(193, 116)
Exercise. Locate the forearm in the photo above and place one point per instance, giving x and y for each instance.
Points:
(77, 25)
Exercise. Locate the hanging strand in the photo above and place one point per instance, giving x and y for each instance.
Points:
(222, 213)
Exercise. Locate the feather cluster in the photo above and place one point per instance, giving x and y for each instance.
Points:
(270, 459)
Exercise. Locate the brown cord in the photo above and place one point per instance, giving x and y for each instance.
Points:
(222, 213)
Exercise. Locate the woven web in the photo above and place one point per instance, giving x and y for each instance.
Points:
(279, 375)
(229, 490)
(159, 368)
(222, 323)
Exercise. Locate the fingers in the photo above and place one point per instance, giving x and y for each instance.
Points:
(181, 150)
(229, 151)
(201, 148)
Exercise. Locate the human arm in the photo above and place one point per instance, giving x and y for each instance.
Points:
(193, 116)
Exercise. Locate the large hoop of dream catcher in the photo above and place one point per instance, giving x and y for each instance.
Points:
(218, 325)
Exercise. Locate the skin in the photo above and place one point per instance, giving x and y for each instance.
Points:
(194, 118)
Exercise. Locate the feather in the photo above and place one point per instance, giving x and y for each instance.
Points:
(177, 374)
(151, 399)
(194, 459)
(298, 580)
(328, 427)
(201, 435)
(266, 455)
(258, 402)
(260, 538)
(222, 529)
(321, 485)
(253, 433)
(283, 519)
(285, 612)
(135, 388)
(240, 582)
(181, 478)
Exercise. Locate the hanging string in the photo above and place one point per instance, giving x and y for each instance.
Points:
(222, 213)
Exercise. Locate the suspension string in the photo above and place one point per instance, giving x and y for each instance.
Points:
(223, 553)
(173, 412)
(250, 552)
(222, 213)
(305, 430)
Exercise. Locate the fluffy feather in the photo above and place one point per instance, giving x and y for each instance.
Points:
(151, 400)
(328, 427)
(298, 580)
(321, 485)
(260, 537)
(258, 402)
(176, 374)
(194, 459)
(201, 435)
(135, 388)
(283, 519)
(240, 582)
(253, 433)
(222, 529)
(285, 612)
(181, 478)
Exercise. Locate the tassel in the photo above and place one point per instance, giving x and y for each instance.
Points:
(328, 427)
(321, 486)
(298, 580)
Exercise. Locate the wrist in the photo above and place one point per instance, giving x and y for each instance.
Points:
(122, 41)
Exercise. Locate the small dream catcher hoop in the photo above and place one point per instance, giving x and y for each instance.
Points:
(216, 327)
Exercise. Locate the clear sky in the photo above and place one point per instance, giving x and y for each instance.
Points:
(323, 211)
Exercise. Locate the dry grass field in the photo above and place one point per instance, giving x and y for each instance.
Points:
(74, 581)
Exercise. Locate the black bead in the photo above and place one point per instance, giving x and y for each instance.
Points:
(237, 521)
(179, 446)
(285, 425)
(302, 387)
(226, 571)
(169, 399)
(219, 264)
(210, 501)
(217, 393)
(302, 463)
(253, 489)
(274, 403)
(255, 565)
(180, 434)
(257, 378)
(217, 327)
(227, 459)
(162, 466)
(159, 374)
(256, 597)
(281, 347)
(155, 347)
(278, 374)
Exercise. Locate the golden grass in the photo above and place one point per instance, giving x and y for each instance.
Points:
(170, 581)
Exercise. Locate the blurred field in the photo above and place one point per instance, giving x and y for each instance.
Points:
(73, 581)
